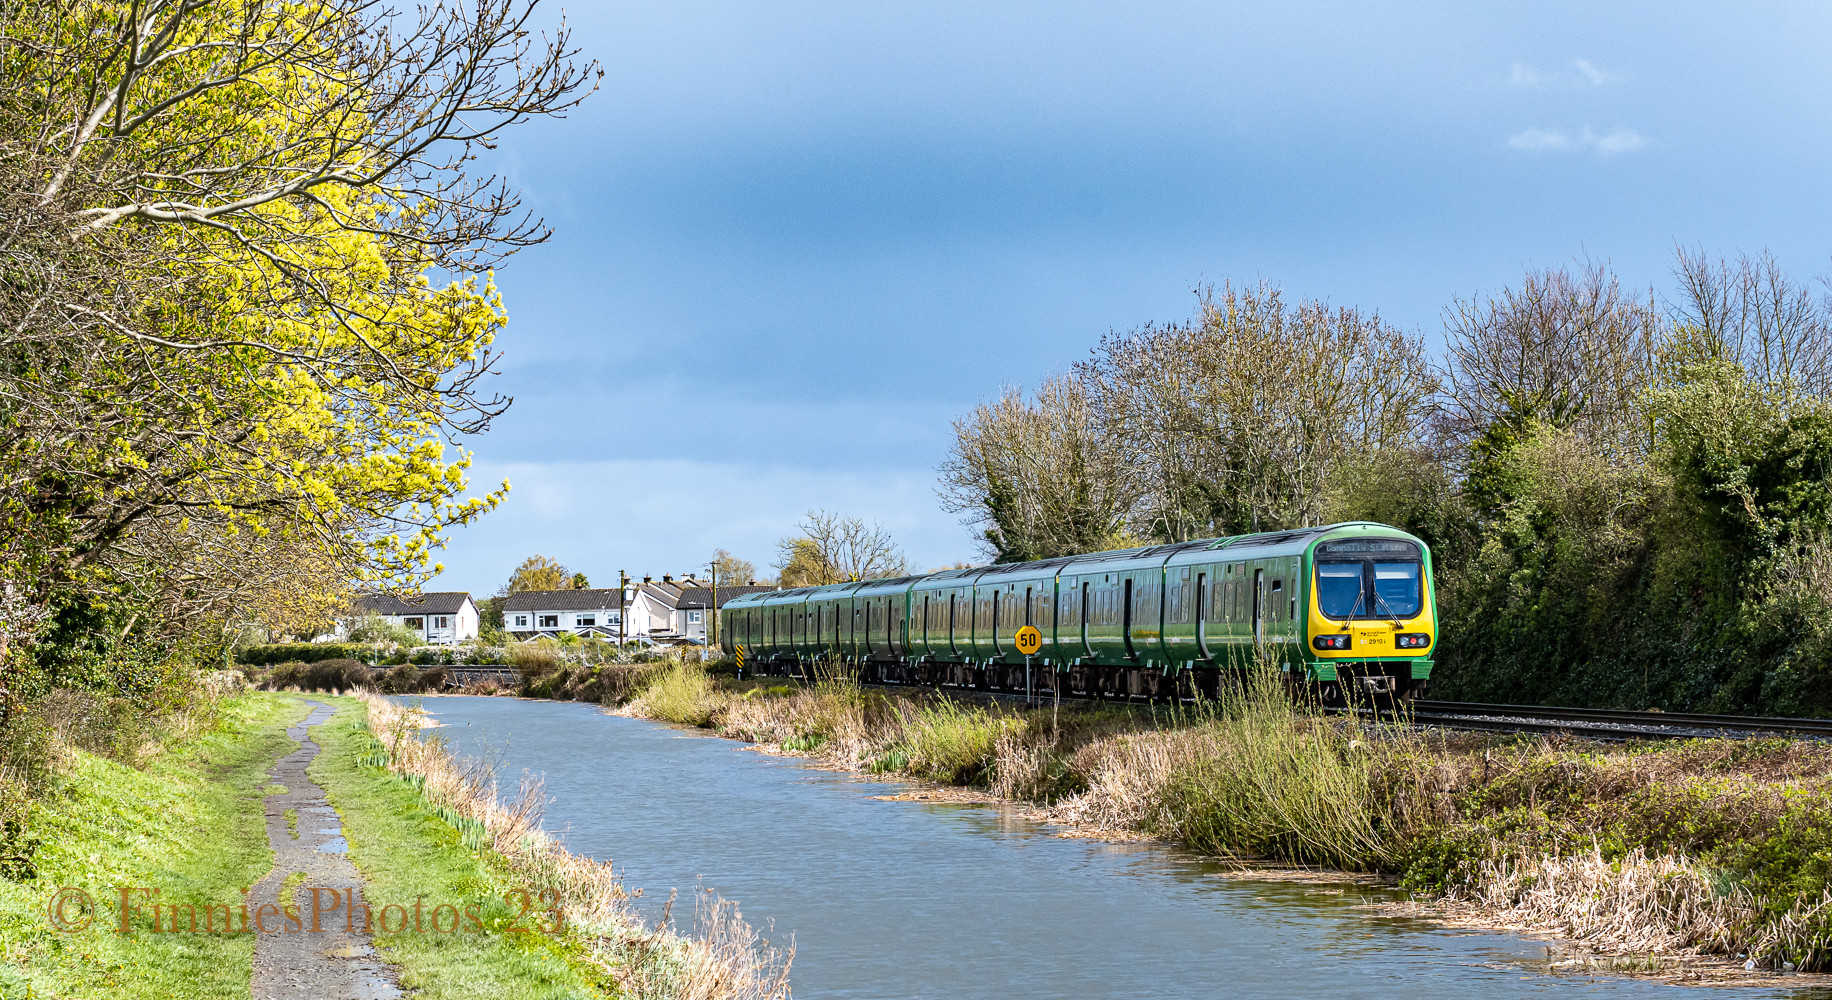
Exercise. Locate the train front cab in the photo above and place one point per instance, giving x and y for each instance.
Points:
(1371, 621)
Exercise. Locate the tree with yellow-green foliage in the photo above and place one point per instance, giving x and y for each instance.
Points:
(246, 309)
(542, 573)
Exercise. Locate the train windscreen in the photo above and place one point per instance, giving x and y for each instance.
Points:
(1396, 589)
(1339, 589)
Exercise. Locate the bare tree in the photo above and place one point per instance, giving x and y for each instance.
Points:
(1750, 313)
(1572, 351)
(1235, 420)
(834, 548)
(1040, 479)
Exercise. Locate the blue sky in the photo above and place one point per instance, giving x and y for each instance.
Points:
(794, 240)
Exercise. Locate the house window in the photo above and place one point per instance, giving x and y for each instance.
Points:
(442, 622)
(550, 621)
(417, 624)
(693, 617)
(521, 621)
(584, 621)
(613, 618)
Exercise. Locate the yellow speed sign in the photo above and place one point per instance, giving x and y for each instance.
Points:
(1029, 640)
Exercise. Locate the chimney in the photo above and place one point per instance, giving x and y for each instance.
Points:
(645, 578)
(667, 579)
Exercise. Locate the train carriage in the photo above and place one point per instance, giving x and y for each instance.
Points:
(941, 627)
(1346, 610)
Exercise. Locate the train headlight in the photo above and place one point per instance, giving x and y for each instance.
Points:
(1331, 642)
(1412, 640)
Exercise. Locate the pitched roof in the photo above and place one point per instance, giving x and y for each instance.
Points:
(700, 597)
(561, 600)
(444, 602)
(666, 594)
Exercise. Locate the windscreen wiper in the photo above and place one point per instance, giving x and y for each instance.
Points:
(1360, 596)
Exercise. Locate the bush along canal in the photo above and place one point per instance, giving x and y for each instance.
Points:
(886, 895)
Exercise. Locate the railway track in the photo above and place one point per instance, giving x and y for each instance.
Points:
(1611, 724)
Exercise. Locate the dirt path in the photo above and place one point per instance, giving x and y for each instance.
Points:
(291, 961)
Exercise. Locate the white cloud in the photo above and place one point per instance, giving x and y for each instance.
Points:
(1578, 74)
(1620, 140)
(1536, 139)
(1614, 143)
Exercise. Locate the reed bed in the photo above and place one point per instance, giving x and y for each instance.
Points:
(723, 958)
(1708, 847)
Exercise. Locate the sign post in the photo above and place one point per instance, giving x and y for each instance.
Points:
(1029, 640)
(740, 662)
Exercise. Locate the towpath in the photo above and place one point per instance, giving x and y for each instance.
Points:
(337, 961)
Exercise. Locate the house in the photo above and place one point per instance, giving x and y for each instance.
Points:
(598, 614)
(648, 611)
(690, 609)
(440, 619)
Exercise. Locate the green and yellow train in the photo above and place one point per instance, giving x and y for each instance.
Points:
(1346, 610)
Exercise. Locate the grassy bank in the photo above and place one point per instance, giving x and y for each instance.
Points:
(422, 822)
(409, 849)
(181, 813)
(1706, 847)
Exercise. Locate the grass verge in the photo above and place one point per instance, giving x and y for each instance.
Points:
(189, 823)
(408, 852)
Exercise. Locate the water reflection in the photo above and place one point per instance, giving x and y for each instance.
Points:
(919, 899)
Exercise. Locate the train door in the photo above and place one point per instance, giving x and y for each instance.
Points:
(993, 626)
(1125, 618)
(1081, 609)
(1259, 605)
(1202, 615)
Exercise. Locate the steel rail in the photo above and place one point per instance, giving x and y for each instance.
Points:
(1625, 723)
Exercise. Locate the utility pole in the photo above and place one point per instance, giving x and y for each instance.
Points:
(712, 619)
(623, 614)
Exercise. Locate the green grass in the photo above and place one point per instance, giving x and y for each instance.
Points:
(684, 694)
(950, 742)
(407, 851)
(1271, 781)
(189, 824)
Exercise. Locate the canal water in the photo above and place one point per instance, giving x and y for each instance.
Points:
(889, 900)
